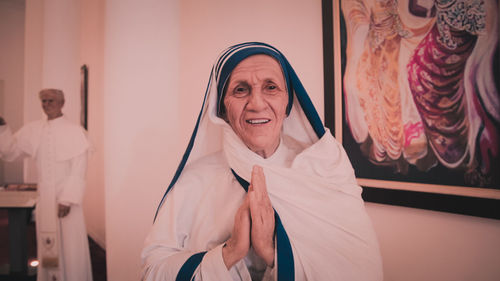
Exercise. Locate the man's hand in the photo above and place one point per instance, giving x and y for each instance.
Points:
(63, 210)
(262, 215)
(238, 244)
(2, 121)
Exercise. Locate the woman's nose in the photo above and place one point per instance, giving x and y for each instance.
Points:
(256, 101)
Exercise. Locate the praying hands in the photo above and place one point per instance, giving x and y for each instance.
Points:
(253, 224)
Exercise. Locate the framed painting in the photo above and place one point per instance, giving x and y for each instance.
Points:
(412, 93)
(84, 85)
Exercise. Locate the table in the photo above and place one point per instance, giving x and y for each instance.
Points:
(19, 200)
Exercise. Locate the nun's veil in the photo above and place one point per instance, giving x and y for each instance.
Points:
(302, 124)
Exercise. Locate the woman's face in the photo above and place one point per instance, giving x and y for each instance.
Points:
(256, 100)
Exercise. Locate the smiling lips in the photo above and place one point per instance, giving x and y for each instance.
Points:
(258, 121)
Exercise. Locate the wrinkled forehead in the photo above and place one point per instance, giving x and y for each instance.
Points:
(233, 56)
(267, 67)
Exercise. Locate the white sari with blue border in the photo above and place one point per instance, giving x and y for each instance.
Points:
(322, 229)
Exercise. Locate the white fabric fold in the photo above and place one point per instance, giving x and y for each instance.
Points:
(70, 140)
(322, 232)
(311, 186)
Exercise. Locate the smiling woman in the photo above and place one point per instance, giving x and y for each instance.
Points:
(276, 201)
(256, 101)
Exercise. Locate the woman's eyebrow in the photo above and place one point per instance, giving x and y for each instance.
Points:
(267, 80)
(240, 83)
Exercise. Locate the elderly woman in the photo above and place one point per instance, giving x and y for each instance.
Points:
(263, 192)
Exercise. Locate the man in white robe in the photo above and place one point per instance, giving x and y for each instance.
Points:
(60, 151)
(264, 191)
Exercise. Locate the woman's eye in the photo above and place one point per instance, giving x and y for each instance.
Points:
(271, 88)
(240, 90)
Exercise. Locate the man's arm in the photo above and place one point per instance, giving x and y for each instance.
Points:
(9, 150)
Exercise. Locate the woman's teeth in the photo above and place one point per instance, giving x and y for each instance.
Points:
(258, 121)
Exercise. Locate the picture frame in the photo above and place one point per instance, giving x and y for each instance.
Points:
(435, 189)
(84, 76)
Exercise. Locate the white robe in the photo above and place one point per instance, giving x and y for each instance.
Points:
(331, 236)
(310, 182)
(198, 216)
(60, 151)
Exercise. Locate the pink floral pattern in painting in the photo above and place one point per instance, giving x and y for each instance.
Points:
(419, 84)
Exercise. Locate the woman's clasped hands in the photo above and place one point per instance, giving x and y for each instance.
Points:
(253, 224)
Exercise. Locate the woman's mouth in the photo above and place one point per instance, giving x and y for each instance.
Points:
(258, 121)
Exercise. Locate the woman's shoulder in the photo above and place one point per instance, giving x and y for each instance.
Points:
(206, 168)
(214, 160)
(200, 177)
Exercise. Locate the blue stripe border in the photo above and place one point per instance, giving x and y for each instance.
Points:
(187, 270)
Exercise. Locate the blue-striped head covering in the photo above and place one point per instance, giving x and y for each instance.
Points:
(228, 62)
(220, 74)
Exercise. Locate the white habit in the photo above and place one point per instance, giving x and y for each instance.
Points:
(60, 151)
(310, 183)
(331, 235)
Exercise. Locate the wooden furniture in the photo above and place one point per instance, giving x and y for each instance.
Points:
(19, 200)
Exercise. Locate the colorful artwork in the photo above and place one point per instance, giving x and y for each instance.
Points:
(420, 90)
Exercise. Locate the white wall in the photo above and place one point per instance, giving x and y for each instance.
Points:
(92, 55)
(427, 245)
(61, 53)
(12, 77)
(33, 62)
(141, 91)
